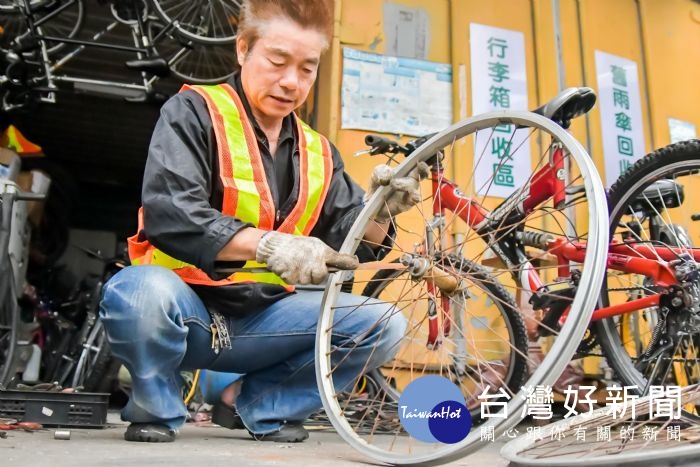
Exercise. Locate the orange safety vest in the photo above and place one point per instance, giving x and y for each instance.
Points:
(246, 193)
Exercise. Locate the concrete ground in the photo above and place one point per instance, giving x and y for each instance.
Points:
(196, 446)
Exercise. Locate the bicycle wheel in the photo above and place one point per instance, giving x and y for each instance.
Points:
(94, 360)
(9, 314)
(8, 330)
(204, 21)
(417, 233)
(59, 18)
(7, 6)
(656, 345)
(649, 437)
(488, 303)
(193, 62)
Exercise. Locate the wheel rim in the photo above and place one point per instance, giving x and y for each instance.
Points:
(192, 62)
(206, 21)
(642, 440)
(573, 329)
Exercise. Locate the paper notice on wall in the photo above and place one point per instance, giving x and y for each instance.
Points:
(395, 95)
(406, 31)
(620, 113)
(499, 82)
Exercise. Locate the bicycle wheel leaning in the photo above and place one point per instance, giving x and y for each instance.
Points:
(476, 342)
(208, 22)
(94, 360)
(635, 432)
(658, 345)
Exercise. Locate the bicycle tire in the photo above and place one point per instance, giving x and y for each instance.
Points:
(496, 295)
(526, 451)
(91, 369)
(449, 141)
(208, 22)
(8, 331)
(193, 62)
(9, 312)
(66, 24)
(675, 162)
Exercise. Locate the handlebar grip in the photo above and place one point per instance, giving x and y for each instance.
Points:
(373, 140)
(379, 144)
(695, 217)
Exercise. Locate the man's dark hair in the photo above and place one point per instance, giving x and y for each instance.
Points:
(312, 14)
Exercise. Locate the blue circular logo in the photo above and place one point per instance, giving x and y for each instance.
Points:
(432, 409)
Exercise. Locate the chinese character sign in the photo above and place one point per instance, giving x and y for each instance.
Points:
(499, 82)
(620, 113)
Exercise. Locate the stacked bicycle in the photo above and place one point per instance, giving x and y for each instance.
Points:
(528, 269)
(48, 336)
(189, 40)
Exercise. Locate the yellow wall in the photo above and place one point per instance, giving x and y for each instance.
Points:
(671, 33)
(661, 36)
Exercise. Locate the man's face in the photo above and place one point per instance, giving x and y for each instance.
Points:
(278, 71)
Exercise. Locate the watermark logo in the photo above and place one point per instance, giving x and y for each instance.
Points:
(432, 409)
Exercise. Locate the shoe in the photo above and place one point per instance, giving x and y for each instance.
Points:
(289, 433)
(149, 433)
(226, 416)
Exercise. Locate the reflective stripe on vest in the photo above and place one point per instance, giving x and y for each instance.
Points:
(246, 193)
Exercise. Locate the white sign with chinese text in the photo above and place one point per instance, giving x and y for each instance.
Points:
(499, 82)
(395, 95)
(620, 113)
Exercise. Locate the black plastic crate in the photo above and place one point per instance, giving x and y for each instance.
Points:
(77, 410)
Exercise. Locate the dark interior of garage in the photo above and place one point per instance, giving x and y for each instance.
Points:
(95, 142)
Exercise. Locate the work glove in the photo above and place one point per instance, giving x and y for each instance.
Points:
(300, 260)
(404, 192)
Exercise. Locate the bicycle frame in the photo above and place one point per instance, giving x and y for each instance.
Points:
(548, 182)
(143, 48)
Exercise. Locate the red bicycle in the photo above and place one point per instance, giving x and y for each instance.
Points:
(527, 270)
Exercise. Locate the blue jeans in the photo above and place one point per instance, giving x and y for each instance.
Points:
(157, 326)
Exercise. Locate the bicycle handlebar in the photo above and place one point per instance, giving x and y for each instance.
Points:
(28, 196)
(382, 145)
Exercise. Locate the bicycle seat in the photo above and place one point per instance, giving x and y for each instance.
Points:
(660, 195)
(148, 98)
(567, 105)
(157, 66)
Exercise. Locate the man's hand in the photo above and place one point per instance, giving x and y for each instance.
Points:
(404, 192)
(300, 260)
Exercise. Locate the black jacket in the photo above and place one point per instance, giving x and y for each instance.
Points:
(182, 198)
